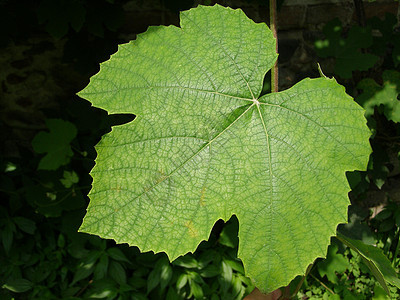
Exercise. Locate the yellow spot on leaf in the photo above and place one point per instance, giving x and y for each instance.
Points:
(191, 229)
(117, 188)
(202, 196)
(161, 177)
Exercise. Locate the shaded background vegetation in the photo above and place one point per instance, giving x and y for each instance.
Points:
(48, 51)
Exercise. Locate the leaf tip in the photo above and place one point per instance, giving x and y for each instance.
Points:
(321, 73)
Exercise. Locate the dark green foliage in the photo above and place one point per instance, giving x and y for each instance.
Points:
(53, 261)
(43, 256)
(346, 51)
(42, 203)
(388, 40)
(59, 15)
(344, 272)
(56, 144)
(384, 98)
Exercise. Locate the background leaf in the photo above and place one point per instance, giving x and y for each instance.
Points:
(18, 285)
(375, 260)
(56, 144)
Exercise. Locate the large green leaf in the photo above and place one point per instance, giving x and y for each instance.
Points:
(206, 146)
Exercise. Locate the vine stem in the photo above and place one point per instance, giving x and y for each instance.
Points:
(396, 252)
(273, 25)
(359, 7)
(327, 288)
(299, 285)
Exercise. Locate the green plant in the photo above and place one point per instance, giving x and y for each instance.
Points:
(95, 16)
(346, 51)
(347, 273)
(376, 89)
(56, 144)
(43, 257)
(205, 147)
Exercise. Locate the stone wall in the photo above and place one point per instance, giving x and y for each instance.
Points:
(293, 14)
(300, 23)
(296, 14)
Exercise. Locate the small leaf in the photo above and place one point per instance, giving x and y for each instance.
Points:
(229, 235)
(237, 287)
(386, 225)
(206, 258)
(194, 276)
(346, 50)
(69, 179)
(384, 214)
(155, 275)
(7, 235)
(226, 276)
(117, 272)
(82, 272)
(117, 254)
(61, 241)
(18, 285)
(25, 224)
(186, 261)
(58, 14)
(181, 281)
(165, 275)
(104, 288)
(153, 280)
(10, 167)
(138, 296)
(376, 261)
(172, 294)
(56, 144)
(86, 268)
(235, 265)
(386, 95)
(101, 268)
(334, 263)
(196, 290)
(210, 271)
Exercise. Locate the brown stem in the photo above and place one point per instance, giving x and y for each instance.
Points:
(359, 7)
(273, 25)
(298, 287)
(83, 288)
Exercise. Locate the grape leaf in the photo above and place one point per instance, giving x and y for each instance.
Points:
(384, 97)
(334, 262)
(205, 146)
(59, 14)
(55, 143)
(346, 50)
